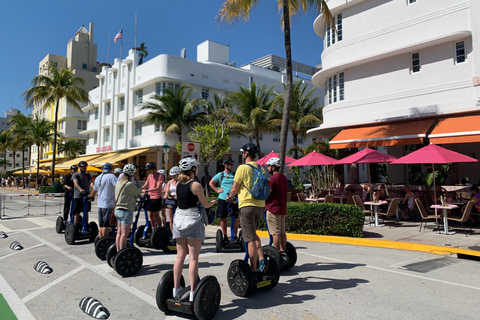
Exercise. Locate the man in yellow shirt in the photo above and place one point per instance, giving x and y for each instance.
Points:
(251, 210)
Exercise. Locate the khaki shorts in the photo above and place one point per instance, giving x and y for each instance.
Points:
(249, 220)
(276, 223)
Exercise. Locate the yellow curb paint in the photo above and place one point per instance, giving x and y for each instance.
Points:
(377, 243)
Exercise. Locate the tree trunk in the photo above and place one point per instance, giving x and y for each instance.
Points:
(352, 173)
(55, 142)
(289, 88)
(38, 159)
(257, 140)
(23, 167)
(295, 141)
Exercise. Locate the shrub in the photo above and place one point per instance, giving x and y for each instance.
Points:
(46, 189)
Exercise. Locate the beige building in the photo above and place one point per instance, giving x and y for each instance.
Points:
(82, 59)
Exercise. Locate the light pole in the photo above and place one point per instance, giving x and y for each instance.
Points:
(166, 148)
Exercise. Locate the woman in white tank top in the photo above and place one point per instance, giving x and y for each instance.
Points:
(171, 192)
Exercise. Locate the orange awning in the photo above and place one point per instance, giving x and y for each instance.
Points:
(457, 130)
(386, 134)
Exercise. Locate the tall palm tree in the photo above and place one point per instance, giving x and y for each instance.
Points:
(41, 132)
(20, 123)
(304, 113)
(235, 10)
(15, 145)
(5, 140)
(255, 111)
(72, 148)
(174, 111)
(50, 89)
(142, 52)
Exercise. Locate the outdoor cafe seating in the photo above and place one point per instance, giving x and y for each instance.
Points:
(391, 211)
(425, 215)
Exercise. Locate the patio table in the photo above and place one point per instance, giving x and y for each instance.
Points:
(445, 220)
(375, 205)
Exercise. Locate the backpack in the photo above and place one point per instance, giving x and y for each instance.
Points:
(260, 187)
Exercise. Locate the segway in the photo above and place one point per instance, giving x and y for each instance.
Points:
(285, 262)
(231, 246)
(102, 244)
(205, 303)
(165, 234)
(81, 231)
(143, 235)
(128, 261)
(242, 280)
(61, 224)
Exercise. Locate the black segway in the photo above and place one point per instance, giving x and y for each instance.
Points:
(128, 261)
(143, 235)
(233, 245)
(165, 234)
(61, 224)
(102, 244)
(286, 261)
(81, 231)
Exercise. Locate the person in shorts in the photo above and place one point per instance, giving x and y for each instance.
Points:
(105, 187)
(224, 181)
(153, 186)
(251, 209)
(83, 183)
(276, 205)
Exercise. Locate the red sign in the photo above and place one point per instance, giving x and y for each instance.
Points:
(191, 147)
(104, 149)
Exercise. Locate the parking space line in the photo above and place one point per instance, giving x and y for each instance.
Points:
(15, 303)
(23, 250)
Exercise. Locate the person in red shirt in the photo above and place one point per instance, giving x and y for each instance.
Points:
(153, 186)
(276, 205)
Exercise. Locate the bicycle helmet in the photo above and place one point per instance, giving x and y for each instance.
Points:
(188, 163)
(174, 171)
(118, 170)
(107, 167)
(150, 165)
(227, 160)
(162, 172)
(274, 162)
(74, 167)
(129, 169)
(82, 164)
(251, 148)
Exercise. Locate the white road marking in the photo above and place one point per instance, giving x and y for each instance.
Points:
(20, 251)
(15, 303)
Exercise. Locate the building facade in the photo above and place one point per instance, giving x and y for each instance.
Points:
(402, 73)
(14, 159)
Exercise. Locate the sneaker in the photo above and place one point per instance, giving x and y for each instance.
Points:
(261, 265)
(237, 240)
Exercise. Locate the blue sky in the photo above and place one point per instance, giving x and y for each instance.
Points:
(31, 29)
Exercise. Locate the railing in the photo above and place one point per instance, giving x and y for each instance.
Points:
(12, 208)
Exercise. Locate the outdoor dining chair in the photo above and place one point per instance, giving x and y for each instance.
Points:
(350, 198)
(464, 218)
(301, 197)
(359, 203)
(425, 215)
(329, 198)
(391, 211)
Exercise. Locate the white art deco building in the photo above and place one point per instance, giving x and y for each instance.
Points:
(401, 73)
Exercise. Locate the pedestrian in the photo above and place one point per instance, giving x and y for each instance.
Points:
(82, 182)
(18, 182)
(251, 209)
(117, 172)
(68, 185)
(105, 187)
(125, 193)
(27, 182)
(224, 181)
(276, 206)
(39, 182)
(153, 186)
(188, 227)
(163, 211)
(170, 194)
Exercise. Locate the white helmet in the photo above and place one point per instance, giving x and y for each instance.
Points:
(118, 170)
(174, 171)
(162, 172)
(274, 162)
(188, 163)
(129, 169)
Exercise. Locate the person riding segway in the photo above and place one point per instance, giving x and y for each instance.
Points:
(68, 185)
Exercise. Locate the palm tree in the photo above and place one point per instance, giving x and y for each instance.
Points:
(304, 113)
(50, 89)
(235, 10)
(15, 145)
(142, 52)
(5, 140)
(20, 123)
(41, 133)
(72, 148)
(255, 111)
(174, 111)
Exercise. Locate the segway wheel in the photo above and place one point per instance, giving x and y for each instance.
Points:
(219, 240)
(292, 256)
(93, 230)
(96, 240)
(128, 261)
(59, 227)
(102, 245)
(272, 252)
(242, 242)
(165, 290)
(156, 238)
(166, 236)
(240, 278)
(111, 252)
(273, 271)
(207, 298)
(71, 234)
(138, 235)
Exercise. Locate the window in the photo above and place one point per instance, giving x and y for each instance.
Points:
(156, 128)
(137, 128)
(95, 138)
(84, 125)
(460, 52)
(84, 66)
(96, 113)
(331, 36)
(79, 124)
(276, 137)
(300, 140)
(335, 90)
(204, 93)
(411, 1)
(139, 95)
(121, 103)
(162, 86)
(415, 62)
(106, 135)
(107, 108)
(120, 131)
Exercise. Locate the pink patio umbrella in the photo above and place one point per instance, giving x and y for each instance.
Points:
(263, 161)
(432, 154)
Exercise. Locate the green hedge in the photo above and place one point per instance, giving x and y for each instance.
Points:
(46, 189)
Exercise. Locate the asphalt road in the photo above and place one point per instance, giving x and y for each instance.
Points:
(329, 281)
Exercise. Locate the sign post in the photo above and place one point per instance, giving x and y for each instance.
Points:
(191, 149)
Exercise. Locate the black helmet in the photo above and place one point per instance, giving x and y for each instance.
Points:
(227, 160)
(82, 164)
(251, 148)
(73, 167)
(151, 165)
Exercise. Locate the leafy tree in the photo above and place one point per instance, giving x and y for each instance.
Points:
(221, 111)
(5, 140)
(41, 132)
(142, 52)
(235, 10)
(20, 124)
(174, 111)
(49, 89)
(72, 148)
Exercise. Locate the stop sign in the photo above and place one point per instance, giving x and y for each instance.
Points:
(191, 147)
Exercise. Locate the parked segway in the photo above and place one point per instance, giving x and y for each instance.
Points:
(102, 244)
(61, 224)
(286, 261)
(233, 245)
(81, 231)
(143, 235)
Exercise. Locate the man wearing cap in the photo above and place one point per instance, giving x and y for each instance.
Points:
(105, 187)
(68, 184)
(82, 182)
(224, 180)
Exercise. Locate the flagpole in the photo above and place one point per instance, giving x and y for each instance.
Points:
(121, 45)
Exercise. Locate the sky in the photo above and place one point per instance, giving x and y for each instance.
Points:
(31, 29)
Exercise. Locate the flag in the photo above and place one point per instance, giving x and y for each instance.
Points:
(118, 36)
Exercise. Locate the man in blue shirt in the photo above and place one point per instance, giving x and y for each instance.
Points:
(224, 181)
(105, 187)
